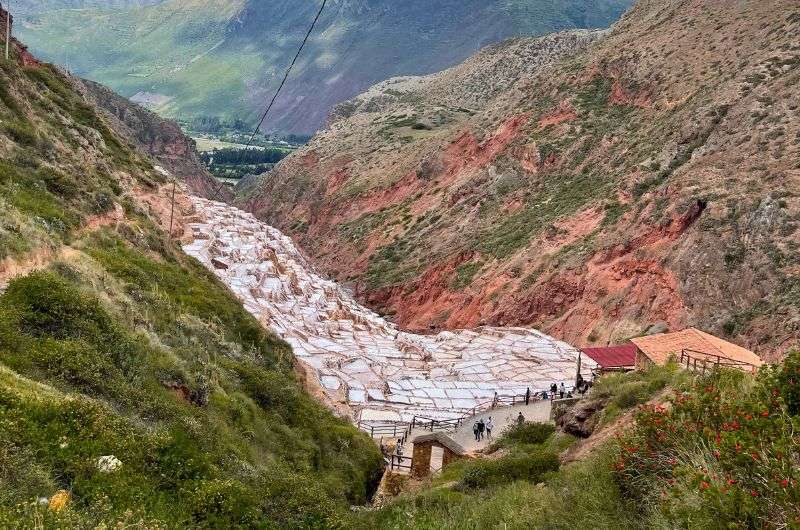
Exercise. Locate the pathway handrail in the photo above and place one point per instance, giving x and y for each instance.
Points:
(432, 424)
(394, 429)
(396, 462)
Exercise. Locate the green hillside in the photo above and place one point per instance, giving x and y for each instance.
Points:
(224, 57)
(113, 343)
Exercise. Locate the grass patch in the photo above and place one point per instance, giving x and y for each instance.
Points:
(464, 274)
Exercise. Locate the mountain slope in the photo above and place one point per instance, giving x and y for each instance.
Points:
(134, 388)
(651, 180)
(225, 57)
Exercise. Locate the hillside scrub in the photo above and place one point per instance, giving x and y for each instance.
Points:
(124, 346)
(524, 488)
(168, 373)
(61, 163)
(723, 454)
(623, 391)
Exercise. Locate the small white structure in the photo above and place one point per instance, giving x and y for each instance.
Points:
(357, 355)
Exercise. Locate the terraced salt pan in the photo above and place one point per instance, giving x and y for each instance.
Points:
(362, 360)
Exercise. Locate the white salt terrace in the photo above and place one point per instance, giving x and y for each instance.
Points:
(362, 360)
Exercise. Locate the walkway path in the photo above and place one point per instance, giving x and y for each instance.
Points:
(362, 360)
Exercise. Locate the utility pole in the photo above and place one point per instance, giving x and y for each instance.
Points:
(8, 28)
(172, 210)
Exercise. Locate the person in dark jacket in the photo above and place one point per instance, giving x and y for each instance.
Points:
(475, 431)
(481, 429)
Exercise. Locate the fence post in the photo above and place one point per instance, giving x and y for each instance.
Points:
(372, 431)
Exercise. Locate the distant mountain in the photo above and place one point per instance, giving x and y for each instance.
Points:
(647, 180)
(225, 57)
(40, 6)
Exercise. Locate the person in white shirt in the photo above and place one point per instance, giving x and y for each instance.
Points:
(489, 427)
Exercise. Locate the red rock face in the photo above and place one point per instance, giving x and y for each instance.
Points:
(633, 184)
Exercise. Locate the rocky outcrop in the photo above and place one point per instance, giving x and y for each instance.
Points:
(154, 136)
(581, 419)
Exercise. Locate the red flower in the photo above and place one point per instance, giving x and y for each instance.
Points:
(754, 493)
(785, 483)
(764, 413)
(731, 481)
(704, 485)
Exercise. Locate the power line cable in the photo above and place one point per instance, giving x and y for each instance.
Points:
(283, 82)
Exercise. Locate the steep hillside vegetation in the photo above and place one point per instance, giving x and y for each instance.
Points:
(135, 391)
(650, 180)
(224, 57)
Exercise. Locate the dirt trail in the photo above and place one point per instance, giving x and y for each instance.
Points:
(158, 203)
(42, 257)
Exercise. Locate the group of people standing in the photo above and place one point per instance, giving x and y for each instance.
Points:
(557, 391)
(480, 427)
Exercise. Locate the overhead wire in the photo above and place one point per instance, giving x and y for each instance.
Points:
(280, 87)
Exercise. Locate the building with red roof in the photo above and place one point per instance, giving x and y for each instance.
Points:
(619, 358)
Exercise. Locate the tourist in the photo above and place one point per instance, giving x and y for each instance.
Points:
(562, 390)
(528, 396)
(481, 428)
(520, 419)
(476, 432)
(495, 400)
(569, 394)
(489, 427)
(553, 390)
(398, 449)
(544, 394)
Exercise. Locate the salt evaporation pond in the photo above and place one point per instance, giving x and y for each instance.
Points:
(362, 360)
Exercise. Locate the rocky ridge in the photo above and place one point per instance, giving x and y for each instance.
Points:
(154, 136)
(649, 178)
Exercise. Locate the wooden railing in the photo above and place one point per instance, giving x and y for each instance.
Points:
(698, 361)
(389, 429)
(398, 463)
(401, 430)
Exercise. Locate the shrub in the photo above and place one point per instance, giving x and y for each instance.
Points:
(722, 454)
(527, 433)
(517, 466)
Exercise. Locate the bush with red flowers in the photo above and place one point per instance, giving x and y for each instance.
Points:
(724, 452)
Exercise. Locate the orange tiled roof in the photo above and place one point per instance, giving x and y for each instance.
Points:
(658, 348)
